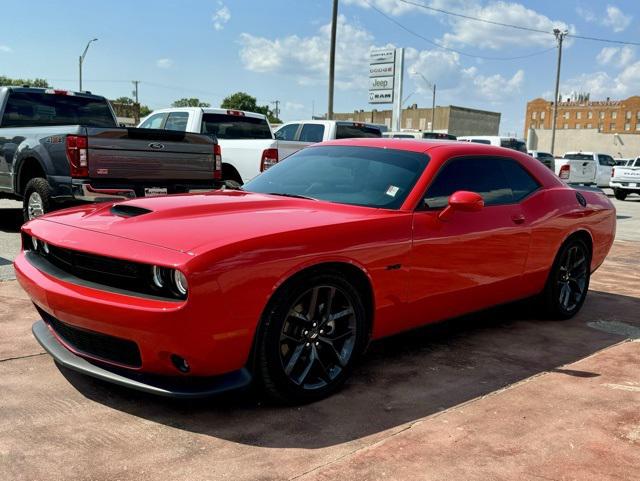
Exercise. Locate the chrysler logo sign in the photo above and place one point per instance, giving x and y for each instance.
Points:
(156, 146)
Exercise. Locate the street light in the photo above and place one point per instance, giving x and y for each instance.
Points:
(81, 59)
(433, 104)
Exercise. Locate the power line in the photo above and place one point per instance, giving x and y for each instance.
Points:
(509, 25)
(460, 52)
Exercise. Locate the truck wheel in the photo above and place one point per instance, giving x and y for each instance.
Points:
(37, 199)
(619, 194)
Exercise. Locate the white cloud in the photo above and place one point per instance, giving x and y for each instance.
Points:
(495, 88)
(293, 106)
(616, 56)
(602, 84)
(5, 49)
(221, 16)
(307, 58)
(615, 19)
(164, 63)
(586, 14)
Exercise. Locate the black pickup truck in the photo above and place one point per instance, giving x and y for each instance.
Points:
(58, 147)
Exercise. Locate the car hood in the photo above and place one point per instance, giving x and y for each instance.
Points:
(188, 222)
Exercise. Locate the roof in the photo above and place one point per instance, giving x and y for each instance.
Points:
(209, 110)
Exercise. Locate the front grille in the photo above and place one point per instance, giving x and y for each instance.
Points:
(101, 346)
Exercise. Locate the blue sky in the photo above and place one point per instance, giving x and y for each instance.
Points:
(278, 49)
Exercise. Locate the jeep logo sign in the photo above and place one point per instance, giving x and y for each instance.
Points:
(381, 83)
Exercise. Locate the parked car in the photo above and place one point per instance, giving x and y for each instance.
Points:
(418, 134)
(293, 136)
(626, 180)
(58, 146)
(288, 280)
(546, 158)
(506, 142)
(588, 168)
(247, 143)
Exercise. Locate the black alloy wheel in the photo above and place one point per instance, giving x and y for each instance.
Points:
(568, 281)
(311, 339)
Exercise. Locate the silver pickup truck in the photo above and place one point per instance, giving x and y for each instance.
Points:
(58, 146)
(626, 180)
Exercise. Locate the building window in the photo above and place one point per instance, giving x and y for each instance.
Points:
(566, 115)
(589, 126)
(534, 115)
(542, 115)
(638, 115)
(602, 115)
(612, 126)
(577, 126)
(627, 126)
(614, 115)
(590, 114)
(600, 126)
(566, 126)
(628, 115)
(578, 115)
(638, 126)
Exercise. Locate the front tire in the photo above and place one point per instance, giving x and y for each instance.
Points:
(619, 194)
(37, 199)
(312, 333)
(568, 281)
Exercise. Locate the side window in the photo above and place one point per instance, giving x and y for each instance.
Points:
(288, 132)
(177, 121)
(602, 160)
(483, 175)
(153, 122)
(312, 133)
(520, 181)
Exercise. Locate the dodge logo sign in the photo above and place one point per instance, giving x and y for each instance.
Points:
(156, 146)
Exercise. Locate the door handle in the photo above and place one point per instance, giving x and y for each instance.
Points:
(518, 218)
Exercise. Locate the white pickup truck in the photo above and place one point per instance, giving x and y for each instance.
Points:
(626, 180)
(588, 168)
(245, 138)
(294, 136)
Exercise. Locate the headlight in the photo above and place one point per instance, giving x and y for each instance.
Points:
(157, 276)
(45, 247)
(180, 282)
(34, 243)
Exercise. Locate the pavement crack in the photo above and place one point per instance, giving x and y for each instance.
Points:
(22, 357)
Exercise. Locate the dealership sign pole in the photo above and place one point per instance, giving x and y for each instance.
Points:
(386, 69)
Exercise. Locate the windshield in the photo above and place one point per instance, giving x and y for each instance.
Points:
(36, 109)
(578, 157)
(225, 126)
(366, 176)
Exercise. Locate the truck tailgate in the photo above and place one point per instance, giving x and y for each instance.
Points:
(149, 154)
(245, 154)
(627, 174)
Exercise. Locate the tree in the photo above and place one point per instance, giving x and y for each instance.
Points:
(244, 101)
(36, 82)
(124, 100)
(192, 102)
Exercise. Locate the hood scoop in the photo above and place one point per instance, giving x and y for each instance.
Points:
(125, 210)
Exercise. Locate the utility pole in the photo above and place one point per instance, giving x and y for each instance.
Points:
(135, 89)
(433, 109)
(276, 111)
(560, 34)
(332, 58)
(80, 61)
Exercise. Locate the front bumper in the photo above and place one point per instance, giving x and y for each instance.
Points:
(169, 386)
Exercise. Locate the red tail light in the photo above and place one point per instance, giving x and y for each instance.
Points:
(269, 159)
(237, 113)
(78, 155)
(565, 170)
(217, 162)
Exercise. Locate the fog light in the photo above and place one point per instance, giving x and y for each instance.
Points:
(180, 363)
(180, 282)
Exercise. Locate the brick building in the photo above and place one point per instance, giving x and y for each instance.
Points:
(450, 119)
(605, 116)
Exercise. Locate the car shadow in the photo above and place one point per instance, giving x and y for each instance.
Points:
(10, 220)
(399, 381)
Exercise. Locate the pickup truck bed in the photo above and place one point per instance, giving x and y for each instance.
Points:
(626, 180)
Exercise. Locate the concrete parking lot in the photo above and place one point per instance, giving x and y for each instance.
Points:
(497, 395)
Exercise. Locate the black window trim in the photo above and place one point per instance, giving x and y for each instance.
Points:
(420, 207)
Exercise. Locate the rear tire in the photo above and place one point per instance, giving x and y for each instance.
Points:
(311, 335)
(37, 199)
(568, 281)
(619, 194)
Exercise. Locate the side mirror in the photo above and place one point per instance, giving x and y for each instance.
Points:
(462, 201)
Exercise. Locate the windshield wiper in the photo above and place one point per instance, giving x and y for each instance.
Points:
(295, 196)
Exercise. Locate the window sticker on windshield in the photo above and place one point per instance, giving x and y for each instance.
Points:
(392, 190)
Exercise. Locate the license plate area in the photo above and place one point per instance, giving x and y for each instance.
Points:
(154, 191)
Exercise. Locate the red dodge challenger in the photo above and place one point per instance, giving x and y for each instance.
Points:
(286, 281)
